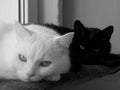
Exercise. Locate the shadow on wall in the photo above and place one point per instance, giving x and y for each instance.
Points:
(48, 11)
(41, 9)
(68, 13)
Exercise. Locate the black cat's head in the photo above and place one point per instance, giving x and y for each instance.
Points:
(92, 42)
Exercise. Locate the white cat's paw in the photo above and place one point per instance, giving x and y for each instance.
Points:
(54, 77)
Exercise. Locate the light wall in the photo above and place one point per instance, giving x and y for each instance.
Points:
(49, 11)
(95, 13)
(8, 10)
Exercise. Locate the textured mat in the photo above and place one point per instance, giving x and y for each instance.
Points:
(88, 73)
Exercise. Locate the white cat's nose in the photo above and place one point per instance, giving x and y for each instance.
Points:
(30, 75)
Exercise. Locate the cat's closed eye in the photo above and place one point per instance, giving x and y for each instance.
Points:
(45, 63)
(82, 47)
(22, 58)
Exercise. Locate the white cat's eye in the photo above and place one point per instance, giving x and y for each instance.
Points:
(82, 47)
(45, 63)
(22, 58)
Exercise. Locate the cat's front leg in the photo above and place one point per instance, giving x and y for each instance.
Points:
(54, 77)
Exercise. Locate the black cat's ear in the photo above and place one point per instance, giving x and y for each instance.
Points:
(106, 33)
(110, 28)
(81, 31)
(78, 25)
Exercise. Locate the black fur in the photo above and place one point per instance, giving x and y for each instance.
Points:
(91, 46)
(59, 29)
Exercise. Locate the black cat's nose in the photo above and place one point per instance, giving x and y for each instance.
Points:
(87, 55)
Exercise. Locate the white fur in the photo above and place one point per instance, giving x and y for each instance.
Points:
(37, 43)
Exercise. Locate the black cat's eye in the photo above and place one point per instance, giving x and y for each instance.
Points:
(22, 58)
(45, 63)
(82, 47)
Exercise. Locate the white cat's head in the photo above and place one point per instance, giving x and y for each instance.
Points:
(41, 54)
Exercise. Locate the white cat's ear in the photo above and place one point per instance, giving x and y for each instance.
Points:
(21, 31)
(65, 40)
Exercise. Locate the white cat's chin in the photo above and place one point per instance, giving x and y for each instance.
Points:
(27, 78)
(24, 78)
(32, 79)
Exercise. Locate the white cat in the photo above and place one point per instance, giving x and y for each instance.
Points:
(33, 52)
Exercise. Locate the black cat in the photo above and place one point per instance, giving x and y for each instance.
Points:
(92, 43)
(91, 46)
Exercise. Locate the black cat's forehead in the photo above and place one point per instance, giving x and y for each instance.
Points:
(93, 32)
